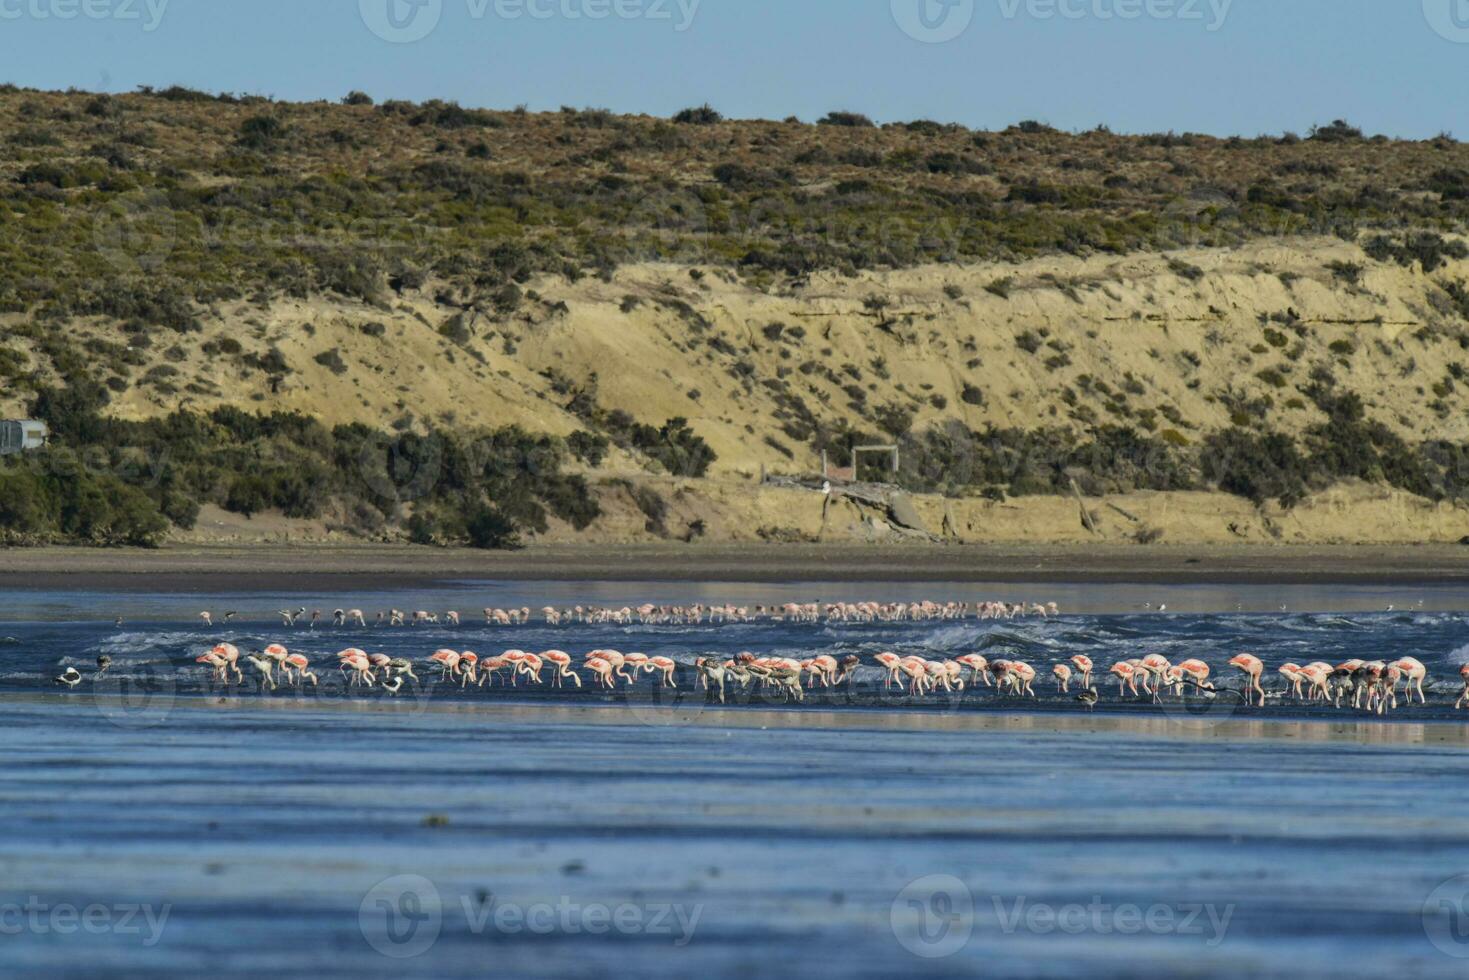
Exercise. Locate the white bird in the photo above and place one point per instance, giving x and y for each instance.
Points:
(70, 677)
(208, 619)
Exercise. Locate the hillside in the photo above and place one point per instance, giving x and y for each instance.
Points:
(1221, 339)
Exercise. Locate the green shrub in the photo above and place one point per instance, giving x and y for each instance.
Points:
(704, 115)
(851, 120)
(1260, 467)
(487, 528)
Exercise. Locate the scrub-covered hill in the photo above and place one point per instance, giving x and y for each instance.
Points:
(251, 318)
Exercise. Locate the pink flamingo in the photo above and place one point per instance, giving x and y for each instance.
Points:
(1253, 668)
(1414, 674)
(893, 665)
(1084, 664)
(531, 666)
(1126, 676)
(561, 661)
(602, 669)
(664, 665)
(448, 661)
(302, 668)
(979, 668)
(1197, 672)
(1296, 676)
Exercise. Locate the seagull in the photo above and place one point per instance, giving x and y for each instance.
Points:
(69, 677)
(394, 685)
(229, 616)
(118, 622)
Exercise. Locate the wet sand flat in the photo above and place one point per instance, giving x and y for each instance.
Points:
(272, 567)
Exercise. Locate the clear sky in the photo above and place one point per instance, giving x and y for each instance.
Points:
(1399, 67)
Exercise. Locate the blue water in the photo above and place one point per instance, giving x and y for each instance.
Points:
(154, 650)
(156, 825)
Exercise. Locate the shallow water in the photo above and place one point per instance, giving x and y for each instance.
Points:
(154, 651)
(578, 834)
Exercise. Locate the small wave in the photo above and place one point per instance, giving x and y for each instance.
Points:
(1459, 657)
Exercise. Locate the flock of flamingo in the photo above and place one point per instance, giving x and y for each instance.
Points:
(1369, 685)
(696, 614)
(1372, 686)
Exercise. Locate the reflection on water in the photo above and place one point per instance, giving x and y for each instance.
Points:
(328, 841)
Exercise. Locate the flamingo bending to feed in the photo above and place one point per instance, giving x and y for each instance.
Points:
(666, 666)
(1296, 676)
(1318, 678)
(1063, 678)
(1157, 667)
(711, 673)
(1126, 675)
(217, 662)
(266, 667)
(1085, 666)
(1015, 677)
(1197, 673)
(448, 661)
(891, 663)
(230, 654)
(300, 669)
(562, 663)
(979, 667)
(1414, 674)
(1252, 667)
(531, 666)
(603, 671)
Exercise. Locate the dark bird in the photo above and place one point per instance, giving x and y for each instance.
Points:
(1089, 697)
(103, 662)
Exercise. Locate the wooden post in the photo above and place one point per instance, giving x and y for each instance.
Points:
(1086, 518)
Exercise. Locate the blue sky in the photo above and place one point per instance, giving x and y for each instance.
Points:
(1221, 66)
